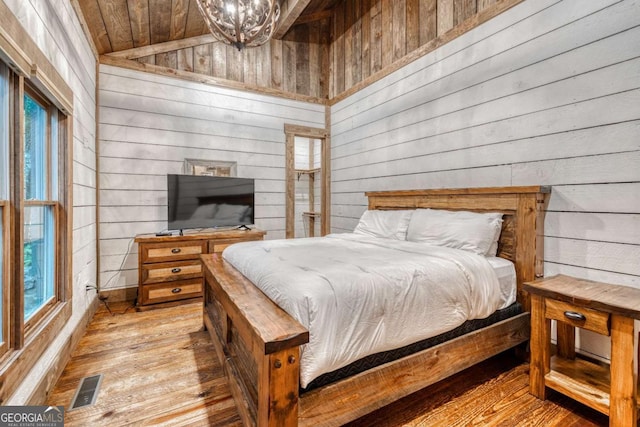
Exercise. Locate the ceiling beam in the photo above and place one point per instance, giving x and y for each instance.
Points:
(318, 16)
(142, 51)
(288, 17)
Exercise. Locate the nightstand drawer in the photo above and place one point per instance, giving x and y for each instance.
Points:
(171, 271)
(580, 317)
(172, 251)
(165, 292)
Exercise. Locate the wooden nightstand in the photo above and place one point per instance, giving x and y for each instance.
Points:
(602, 308)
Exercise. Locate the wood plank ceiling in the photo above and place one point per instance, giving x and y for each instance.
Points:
(117, 25)
(322, 50)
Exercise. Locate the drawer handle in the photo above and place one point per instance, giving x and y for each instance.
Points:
(176, 270)
(176, 290)
(574, 315)
(175, 250)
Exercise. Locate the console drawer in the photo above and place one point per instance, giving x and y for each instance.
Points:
(173, 291)
(171, 271)
(172, 251)
(217, 246)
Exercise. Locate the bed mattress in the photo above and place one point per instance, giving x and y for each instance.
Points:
(359, 295)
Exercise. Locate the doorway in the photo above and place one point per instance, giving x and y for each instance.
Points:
(307, 181)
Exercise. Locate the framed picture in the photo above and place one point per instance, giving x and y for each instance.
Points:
(209, 167)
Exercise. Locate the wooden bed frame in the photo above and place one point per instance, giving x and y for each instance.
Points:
(258, 343)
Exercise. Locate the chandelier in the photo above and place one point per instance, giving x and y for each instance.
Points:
(241, 22)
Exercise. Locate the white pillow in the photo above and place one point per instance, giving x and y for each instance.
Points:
(204, 211)
(470, 231)
(231, 212)
(386, 224)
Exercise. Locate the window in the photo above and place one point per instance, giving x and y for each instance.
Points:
(39, 207)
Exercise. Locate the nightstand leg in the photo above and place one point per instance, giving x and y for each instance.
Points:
(540, 347)
(566, 340)
(623, 408)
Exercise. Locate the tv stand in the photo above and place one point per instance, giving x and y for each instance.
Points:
(169, 267)
(243, 227)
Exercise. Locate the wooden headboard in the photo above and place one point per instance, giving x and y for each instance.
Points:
(523, 208)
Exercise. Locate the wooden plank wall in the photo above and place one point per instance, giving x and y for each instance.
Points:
(149, 124)
(362, 40)
(546, 93)
(55, 28)
(297, 64)
(371, 37)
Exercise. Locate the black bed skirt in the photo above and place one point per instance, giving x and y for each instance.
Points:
(378, 359)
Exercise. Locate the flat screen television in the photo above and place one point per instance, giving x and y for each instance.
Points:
(209, 202)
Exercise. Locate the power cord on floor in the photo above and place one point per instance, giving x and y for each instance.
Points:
(106, 304)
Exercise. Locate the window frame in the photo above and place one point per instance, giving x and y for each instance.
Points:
(30, 69)
(7, 244)
(5, 272)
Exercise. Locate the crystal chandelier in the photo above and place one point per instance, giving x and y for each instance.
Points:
(241, 22)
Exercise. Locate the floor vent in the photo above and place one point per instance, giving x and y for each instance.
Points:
(87, 392)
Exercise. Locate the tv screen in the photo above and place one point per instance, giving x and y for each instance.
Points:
(208, 202)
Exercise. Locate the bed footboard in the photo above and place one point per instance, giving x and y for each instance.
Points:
(257, 343)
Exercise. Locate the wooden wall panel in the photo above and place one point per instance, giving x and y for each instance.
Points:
(387, 33)
(302, 65)
(218, 60)
(428, 21)
(376, 37)
(338, 47)
(399, 29)
(349, 54)
(413, 25)
(365, 28)
(235, 64)
(315, 55)
(366, 40)
(250, 69)
(547, 93)
(203, 59)
(185, 59)
(150, 124)
(462, 10)
(277, 64)
(289, 62)
(372, 38)
(445, 18)
(298, 64)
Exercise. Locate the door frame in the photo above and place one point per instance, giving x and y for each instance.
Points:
(291, 131)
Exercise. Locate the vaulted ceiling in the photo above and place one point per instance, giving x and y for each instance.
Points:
(322, 50)
(117, 25)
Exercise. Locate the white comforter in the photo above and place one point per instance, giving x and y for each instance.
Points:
(360, 295)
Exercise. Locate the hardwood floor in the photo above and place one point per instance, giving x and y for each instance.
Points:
(160, 369)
